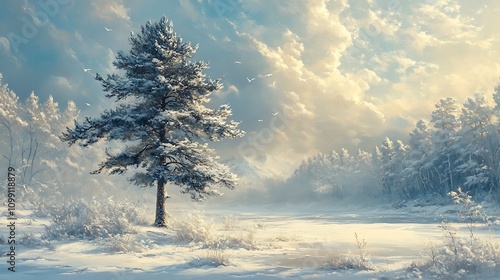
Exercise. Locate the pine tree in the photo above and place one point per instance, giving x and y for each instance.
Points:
(418, 173)
(478, 146)
(162, 117)
(445, 138)
(387, 154)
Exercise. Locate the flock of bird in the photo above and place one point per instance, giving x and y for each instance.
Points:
(260, 76)
(88, 69)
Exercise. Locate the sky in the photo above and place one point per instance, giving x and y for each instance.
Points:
(301, 76)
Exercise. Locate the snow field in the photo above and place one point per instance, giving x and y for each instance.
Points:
(265, 244)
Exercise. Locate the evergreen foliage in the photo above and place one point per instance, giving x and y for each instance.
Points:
(161, 117)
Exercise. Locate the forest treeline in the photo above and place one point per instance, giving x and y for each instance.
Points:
(458, 146)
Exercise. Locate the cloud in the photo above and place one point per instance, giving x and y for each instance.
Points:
(344, 73)
(368, 70)
(106, 10)
(319, 102)
(364, 78)
(62, 83)
(5, 44)
(444, 20)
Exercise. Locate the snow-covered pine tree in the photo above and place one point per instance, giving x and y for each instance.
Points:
(387, 165)
(162, 117)
(418, 173)
(479, 144)
(445, 138)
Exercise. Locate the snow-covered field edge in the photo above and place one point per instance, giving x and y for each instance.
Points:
(111, 240)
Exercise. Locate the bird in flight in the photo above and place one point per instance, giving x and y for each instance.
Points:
(268, 75)
(250, 80)
(86, 69)
(108, 29)
(87, 104)
(260, 120)
(274, 114)
(237, 62)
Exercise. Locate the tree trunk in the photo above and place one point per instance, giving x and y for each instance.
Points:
(161, 214)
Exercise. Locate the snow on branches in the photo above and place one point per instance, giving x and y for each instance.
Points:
(161, 113)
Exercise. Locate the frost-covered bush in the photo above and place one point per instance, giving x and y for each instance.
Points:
(126, 243)
(91, 219)
(29, 239)
(198, 228)
(213, 257)
(458, 256)
(349, 261)
(230, 223)
(245, 239)
(194, 228)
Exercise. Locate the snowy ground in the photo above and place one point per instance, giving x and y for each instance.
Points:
(265, 243)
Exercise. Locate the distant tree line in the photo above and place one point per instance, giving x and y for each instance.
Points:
(459, 146)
